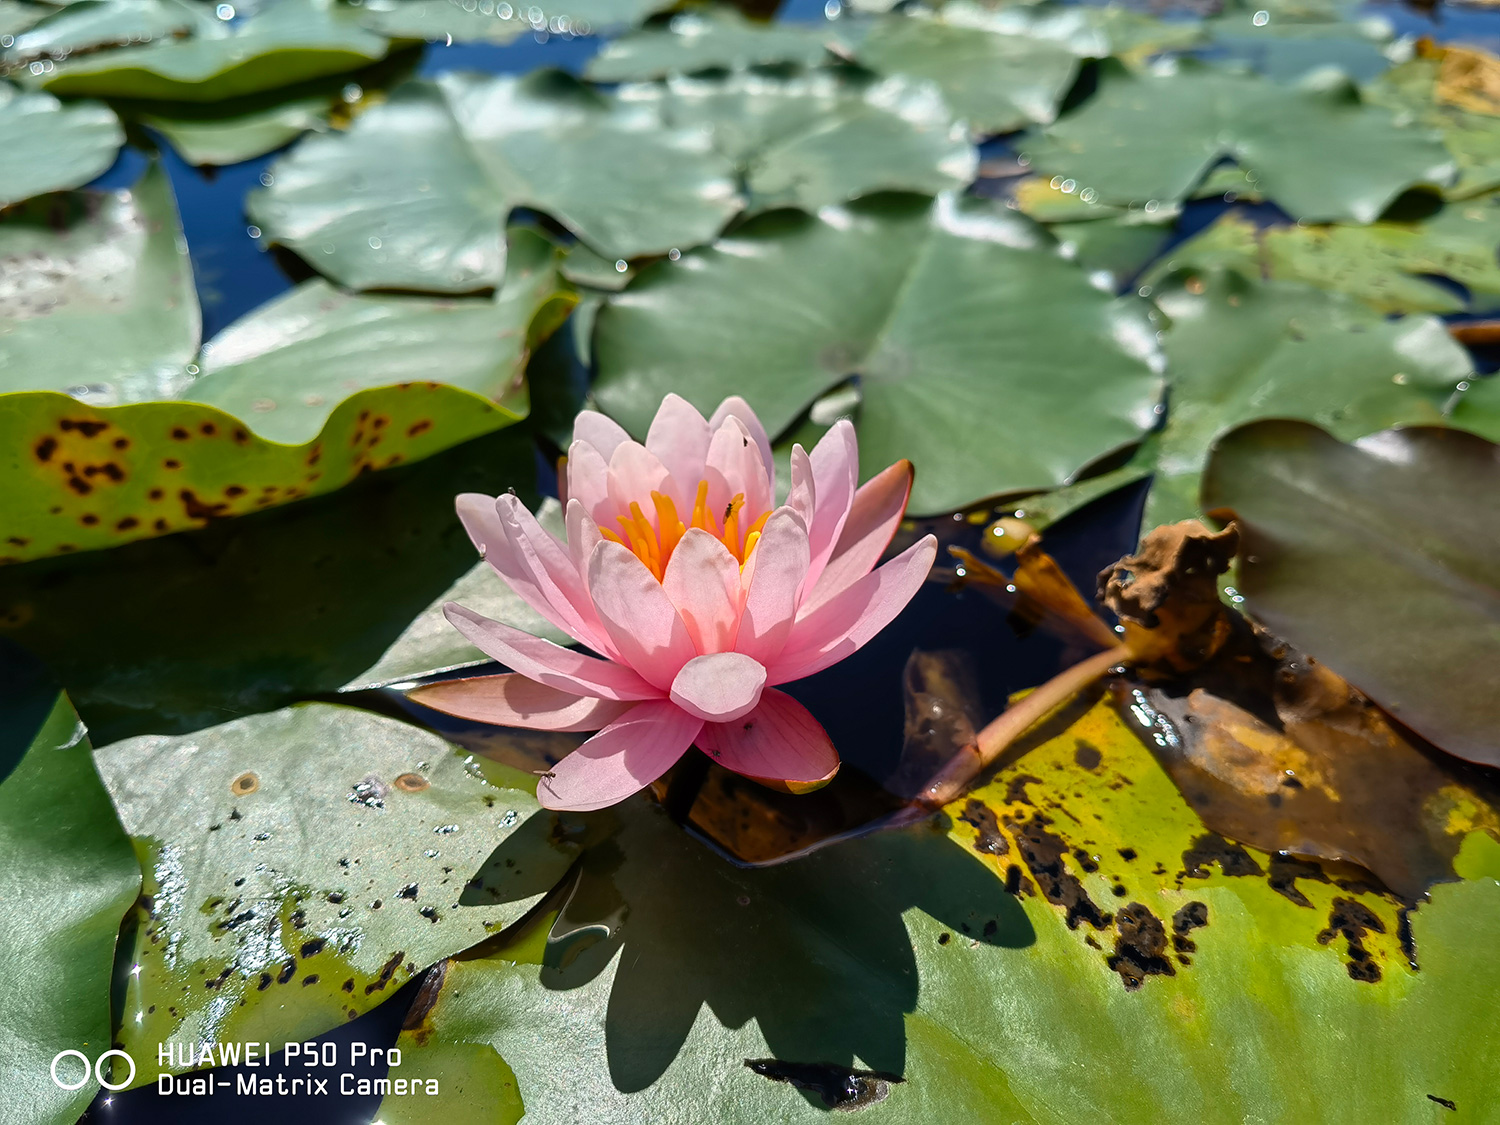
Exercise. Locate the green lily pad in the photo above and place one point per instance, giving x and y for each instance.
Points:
(430, 644)
(996, 82)
(983, 355)
(51, 147)
(713, 39)
(494, 21)
(17, 15)
(69, 876)
(326, 860)
(1239, 350)
(214, 140)
(1317, 151)
(415, 194)
(286, 604)
(1382, 264)
(103, 304)
(1378, 558)
(283, 42)
(86, 25)
(1478, 409)
(910, 990)
(1286, 49)
(1473, 139)
(297, 399)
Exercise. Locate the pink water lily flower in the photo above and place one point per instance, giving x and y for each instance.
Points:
(697, 591)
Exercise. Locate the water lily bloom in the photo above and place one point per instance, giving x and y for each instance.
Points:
(699, 593)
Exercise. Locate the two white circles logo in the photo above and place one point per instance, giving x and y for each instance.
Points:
(98, 1067)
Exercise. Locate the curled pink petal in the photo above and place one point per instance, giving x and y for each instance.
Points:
(547, 569)
(679, 439)
(719, 687)
(703, 583)
(774, 577)
(835, 468)
(878, 507)
(511, 700)
(546, 663)
(638, 616)
(734, 468)
(621, 759)
(588, 482)
(583, 535)
(844, 624)
(736, 407)
(779, 743)
(600, 431)
(803, 496)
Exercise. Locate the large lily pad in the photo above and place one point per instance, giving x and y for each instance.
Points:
(326, 859)
(494, 21)
(1316, 150)
(909, 990)
(1240, 349)
(1411, 91)
(1378, 558)
(1386, 265)
(1286, 47)
(714, 39)
(295, 400)
(283, 42)
(286, 604)
(984, 356)
(217, 138)
(995, 81)
(88, 25)
(49, 146)
(68, 877)
(415, 194)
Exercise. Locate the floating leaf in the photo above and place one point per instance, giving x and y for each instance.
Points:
(430, 644)
(68, 877)
(297, 399)
(49, 146)
(92, 24)
(415, 194)
(1317, 151)
(17, 15)
(996, 82)
(713, 39)
(287, 603)
(325, 860)
(442, 19)
(217, 139)
(909, 990)
(1386, 264)
(1239, 350)
(1378, 558)
(1287, 49)
(1478, 411)
(1473, 139)
(283, 42)
(983, 355)
(101, 301)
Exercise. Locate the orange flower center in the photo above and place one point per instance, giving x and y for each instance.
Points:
(654, 545)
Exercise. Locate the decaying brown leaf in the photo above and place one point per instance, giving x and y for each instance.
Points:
(1467, 78)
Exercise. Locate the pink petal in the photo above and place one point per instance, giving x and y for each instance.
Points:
(621, 759)
(638, 616)
(803, 497)
(778, 743)
(583, 535)
(736, 407)
(634, 474)
(878, 507)
(773, 582)
(702, 581)
(719, 687)
(600, 431)
(550, 571)
(733, 467)
(511, 700)
(846, 622)
(679, 438)
(547, 663)
(835, 466)
(588, 482)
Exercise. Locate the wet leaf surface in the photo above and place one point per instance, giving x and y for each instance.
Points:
(322, 866)
(1473, 139)
(1318, 152)
(414, 195)
(1136, 939)
(1386, 265)
(187, 630)
(210, 140)
(74, 28)
(1009, 339)
(711, 39)
(1376, 558)
(68, 876)
(50, 146)
(439, 19)
(282, 42)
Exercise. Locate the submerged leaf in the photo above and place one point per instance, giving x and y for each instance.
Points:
(984, 356)
(1316, 151)
(1379, 558)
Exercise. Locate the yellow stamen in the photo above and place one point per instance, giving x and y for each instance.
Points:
(668, 527)
(700, 509)
(654, 544)
(611, 536)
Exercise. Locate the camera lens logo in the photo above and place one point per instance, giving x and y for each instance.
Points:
(99, 1067)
